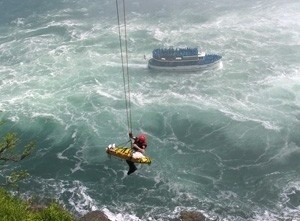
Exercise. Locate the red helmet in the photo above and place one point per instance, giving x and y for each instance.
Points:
(142, 138)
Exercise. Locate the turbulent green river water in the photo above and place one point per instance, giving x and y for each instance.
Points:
(223, 141)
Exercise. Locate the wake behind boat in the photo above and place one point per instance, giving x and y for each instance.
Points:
(182, 59)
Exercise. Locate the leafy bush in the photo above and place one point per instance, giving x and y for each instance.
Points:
(11, 209)
(10, 151)
(55, 213)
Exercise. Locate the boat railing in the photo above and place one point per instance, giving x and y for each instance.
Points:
(173, 53)
(177, 59)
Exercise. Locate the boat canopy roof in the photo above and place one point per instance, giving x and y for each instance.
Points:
(174, 53)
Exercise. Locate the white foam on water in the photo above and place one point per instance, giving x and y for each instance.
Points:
(64, 69)
(120, 217)
(288, 209)
(81, 200)
(75, 192)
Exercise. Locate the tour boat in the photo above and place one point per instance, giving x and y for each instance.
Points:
(182, 59)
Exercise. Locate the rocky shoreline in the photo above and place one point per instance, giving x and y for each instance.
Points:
(184, 216)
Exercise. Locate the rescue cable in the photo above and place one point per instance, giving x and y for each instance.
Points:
(125, 71)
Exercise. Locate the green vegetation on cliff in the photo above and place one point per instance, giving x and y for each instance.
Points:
(14, 209)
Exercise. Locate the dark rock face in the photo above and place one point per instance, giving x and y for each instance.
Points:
(184, 216)
(94, 216)
(191, 216)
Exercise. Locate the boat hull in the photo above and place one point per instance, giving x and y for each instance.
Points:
(207, 61)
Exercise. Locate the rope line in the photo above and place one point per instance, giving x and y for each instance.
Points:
(126, 77)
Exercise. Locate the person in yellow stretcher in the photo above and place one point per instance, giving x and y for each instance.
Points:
(139, 145)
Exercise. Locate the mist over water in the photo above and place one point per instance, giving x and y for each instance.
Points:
(223, 141)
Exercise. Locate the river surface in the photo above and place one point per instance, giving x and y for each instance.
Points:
(223, 141)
